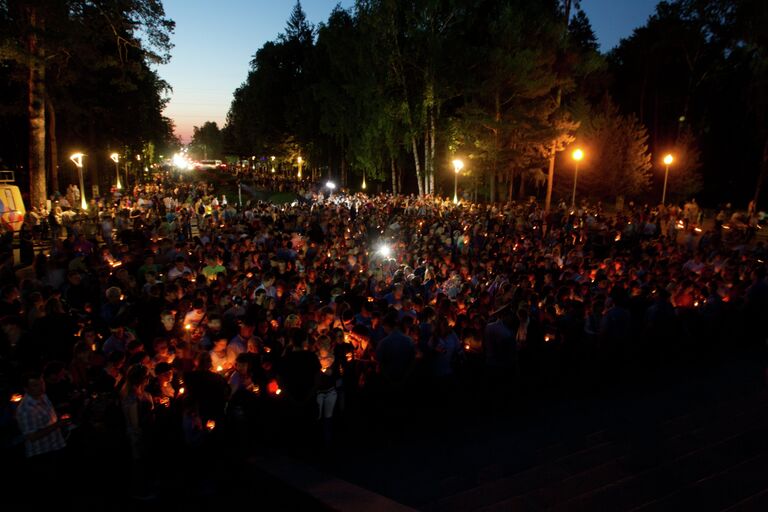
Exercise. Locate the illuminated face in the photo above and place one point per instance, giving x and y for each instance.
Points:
(246, 331)
(168, 321)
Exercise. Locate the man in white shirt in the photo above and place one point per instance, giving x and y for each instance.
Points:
(179, 267)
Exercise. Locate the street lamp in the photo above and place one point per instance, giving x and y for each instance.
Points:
(577, 155)
(272, 159)
(116, 158)
(331, 185)
(667, 162)
(300, 161)
(458, 165)
(77, 159)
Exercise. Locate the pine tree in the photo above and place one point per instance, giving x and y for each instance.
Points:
(685, 178)
(616, 158)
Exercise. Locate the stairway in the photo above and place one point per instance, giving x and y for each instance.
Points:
(711, 457)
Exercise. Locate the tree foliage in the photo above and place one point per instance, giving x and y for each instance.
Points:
(85, 72)
(383, 87)
(206, 141)
(616, 157)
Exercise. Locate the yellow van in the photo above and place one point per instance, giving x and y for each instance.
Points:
(12, 209)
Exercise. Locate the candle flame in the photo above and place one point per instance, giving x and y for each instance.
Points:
(219, 368)
(210, 425)
(16, 397)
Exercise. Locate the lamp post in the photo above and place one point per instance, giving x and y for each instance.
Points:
(272, 159)
(458, 165)
(300, 161)
(577, 155)
(77, 159)
(116, 158)
(667, 162)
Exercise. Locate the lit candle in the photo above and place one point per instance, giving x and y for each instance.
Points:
(16, 397)
(210, 425)
(181, 390)
(219, 369)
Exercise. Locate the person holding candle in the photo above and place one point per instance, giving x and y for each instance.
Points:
(326, 386)
(222, 360)
(138, 411)
(38, 421)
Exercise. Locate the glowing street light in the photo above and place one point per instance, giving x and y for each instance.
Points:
(116, 158)
(577, 155)
(667, 162)
(458, 165)
(300, 161)
(272, 159)
(77, 159)
(331, 185)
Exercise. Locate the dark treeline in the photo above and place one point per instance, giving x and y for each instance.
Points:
(395, 90)
(75, 75)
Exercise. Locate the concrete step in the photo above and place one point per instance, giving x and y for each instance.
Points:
(678, 472)
(758, 501)
(593, 453)
(330, 492)
(720, 490)
(620, 468)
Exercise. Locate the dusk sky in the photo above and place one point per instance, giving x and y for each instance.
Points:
(215, 41)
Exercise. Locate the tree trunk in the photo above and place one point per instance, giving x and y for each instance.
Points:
(558, 100)
(496, 147)
(521, 192)
(52, 144)
(761, 177)
(92, 163)
(432, 140)
(36, 111)
(417, 162)
(510, 185)
(393, 170)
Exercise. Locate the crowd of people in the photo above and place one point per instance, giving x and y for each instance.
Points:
(184, 318)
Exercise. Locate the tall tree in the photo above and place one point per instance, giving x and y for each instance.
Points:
(45, 34)
(206, 141)
(617, 161)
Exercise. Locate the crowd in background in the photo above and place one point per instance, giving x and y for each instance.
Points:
(178, 317)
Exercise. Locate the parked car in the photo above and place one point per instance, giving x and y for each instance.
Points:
(210, 165)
